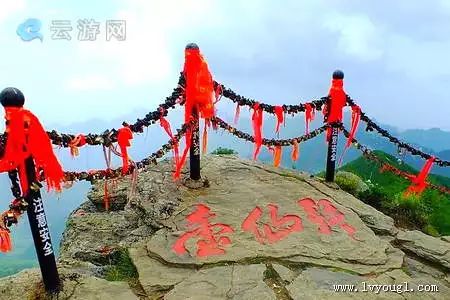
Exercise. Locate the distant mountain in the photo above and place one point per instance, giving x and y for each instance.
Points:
(433, 138)
(313, 152)
(444, 154)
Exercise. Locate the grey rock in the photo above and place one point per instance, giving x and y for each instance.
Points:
(430, 248)
(228, 282)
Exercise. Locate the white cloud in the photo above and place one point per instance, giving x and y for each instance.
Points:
(146, 55)
(358, 36)
(8, 8)
(89, 82)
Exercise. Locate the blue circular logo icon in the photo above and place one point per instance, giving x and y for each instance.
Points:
(29, 30)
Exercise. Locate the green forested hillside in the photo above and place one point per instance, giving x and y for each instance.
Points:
(430, 212)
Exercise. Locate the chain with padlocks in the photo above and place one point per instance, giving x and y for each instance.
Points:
(11, 216)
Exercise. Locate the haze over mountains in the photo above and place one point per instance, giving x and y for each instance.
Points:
(312, 153)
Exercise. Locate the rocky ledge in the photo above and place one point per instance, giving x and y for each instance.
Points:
(246, 231)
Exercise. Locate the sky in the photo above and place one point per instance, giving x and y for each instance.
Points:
(394, 55)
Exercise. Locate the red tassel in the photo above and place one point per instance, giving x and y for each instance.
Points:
(356, 117)
(310, 112)
(199, 94)
(5, 241)
(295, 151)
(78, 141)
(218, 93)
(237, 113)
(338, 101)
(277, 156)
(179, 166)
(166, 126)
(279, 112)
(205, 136)
(419, 182)
(124, 136)
(26, 137)
(257, 121)
(199, 85)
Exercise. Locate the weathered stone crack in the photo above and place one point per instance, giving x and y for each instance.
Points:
(276, 283)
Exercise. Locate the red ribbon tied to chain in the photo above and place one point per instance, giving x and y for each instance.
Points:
(167, 128)
(124, 136)
(310, 112)
(78, 141)
(200, 96)
(279, 113)
(236, 114)
(5, 240)
(338, 99)
(419, 181)
(295, 151)
(356, 117)
(257, 121)
(277, 156)
(27, 137)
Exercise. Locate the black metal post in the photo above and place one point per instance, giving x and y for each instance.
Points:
(331, 157)
(40, 231)
(194, 152)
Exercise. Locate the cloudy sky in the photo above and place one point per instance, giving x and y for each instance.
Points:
(394, 54)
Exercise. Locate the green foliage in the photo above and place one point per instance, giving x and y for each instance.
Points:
(223, 151)
(429, 212)
(122, 268)
(350, 182)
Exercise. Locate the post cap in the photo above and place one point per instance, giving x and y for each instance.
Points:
(338, 74)
(192, 46)
(12, 97)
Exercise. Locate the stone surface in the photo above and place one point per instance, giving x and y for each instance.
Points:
(239, 187)
(154, 276)
(446, 238)
(109, 230)
(362, 244)
(425, 246)
(228, 282)
(28, 285)
(375, 220)
(319, 284)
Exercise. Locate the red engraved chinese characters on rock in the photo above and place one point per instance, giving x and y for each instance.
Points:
(325, 215)
(279, 228)
(210, 239)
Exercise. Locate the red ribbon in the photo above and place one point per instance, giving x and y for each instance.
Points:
(338, 101)
(167, 128)
(356, 117)
(199, 85)
(78, 141)
(26, 137)
(205, 136)
(5, 240)
(310, 112)
(295, 151)
(419, 182)
(280, 117)
(237, 113)
(277, 156)
(200, 96)
(257, 121)
(124, 136)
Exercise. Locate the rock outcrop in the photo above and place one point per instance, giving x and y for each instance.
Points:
(246, 231)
